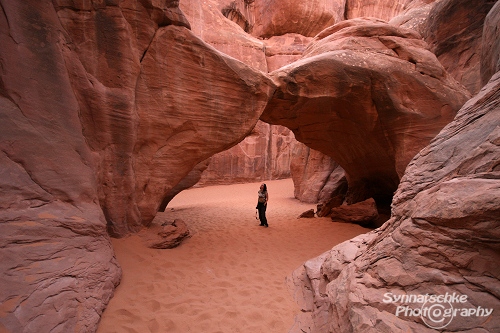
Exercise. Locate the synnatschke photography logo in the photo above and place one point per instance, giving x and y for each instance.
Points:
(436, 311)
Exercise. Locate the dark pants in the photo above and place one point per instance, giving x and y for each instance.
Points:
(262, 213)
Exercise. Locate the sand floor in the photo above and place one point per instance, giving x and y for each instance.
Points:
(230, 275)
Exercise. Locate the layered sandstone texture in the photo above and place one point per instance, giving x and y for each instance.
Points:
(442, 238)
(454, 30)
(57, 267)
(105, 107)
(149, 118)
(369, 95)
(316, 176)
(287, 27)
(264, 154)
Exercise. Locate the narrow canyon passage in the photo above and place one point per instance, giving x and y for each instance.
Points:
(230, 276)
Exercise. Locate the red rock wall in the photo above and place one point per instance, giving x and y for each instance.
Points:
(57, 267)
(453, 31)
(105, 108)
(370, 96)
(442, 239)
(490, 49)
(264, 154)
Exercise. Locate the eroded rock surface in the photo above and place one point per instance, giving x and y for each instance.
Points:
(150, 119)
(315, 176)
(453, 31)
(490, 50)
(279, 17)
(369, 95)
(262, 155)
(442, 238)
(57, 267)
(382, 9)
(105, 108)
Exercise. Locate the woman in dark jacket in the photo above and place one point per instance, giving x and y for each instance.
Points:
(262, 205)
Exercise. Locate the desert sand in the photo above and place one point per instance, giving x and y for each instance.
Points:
(230, 276)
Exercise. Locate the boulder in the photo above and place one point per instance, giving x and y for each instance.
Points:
(363, 213)
(325, 208)
(441, 240)
(308, 214)
(369, 95)
(167, 235)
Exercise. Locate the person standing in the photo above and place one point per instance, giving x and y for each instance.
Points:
(262, 205)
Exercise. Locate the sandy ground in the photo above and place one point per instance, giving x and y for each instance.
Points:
(230, 275)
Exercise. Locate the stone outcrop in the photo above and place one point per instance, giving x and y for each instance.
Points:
(363, 213)
(453, 32)
(150, 120)
(165, 235)
(442, 238)
(370, 96)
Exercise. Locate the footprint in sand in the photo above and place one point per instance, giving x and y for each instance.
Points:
(231, 314)
(254, 316)
(154, 305)
(153, 326)
(127, 316)
(224, 284)
(244, 292)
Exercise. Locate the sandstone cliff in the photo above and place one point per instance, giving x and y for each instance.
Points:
(442, 238)
(369, 95)
(106, 107)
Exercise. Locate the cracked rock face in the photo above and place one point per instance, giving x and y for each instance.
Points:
(442, 238)
(369, 95)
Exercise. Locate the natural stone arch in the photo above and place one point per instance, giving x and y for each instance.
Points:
(370, 95)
